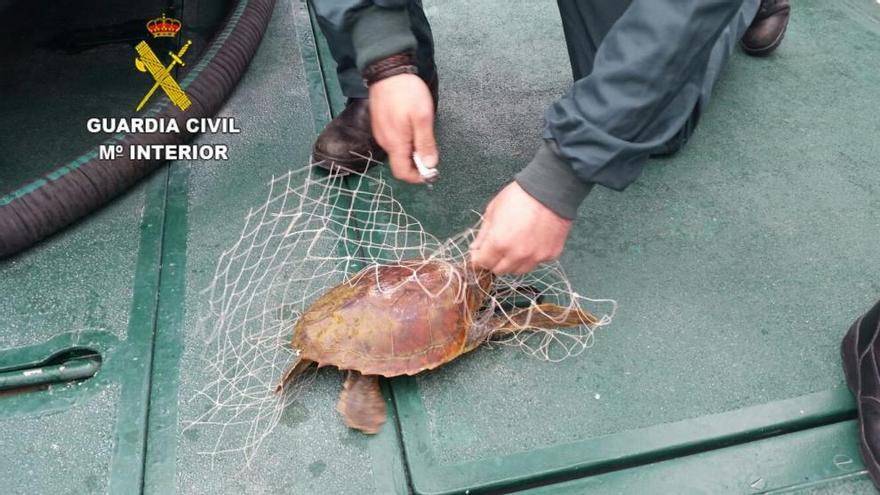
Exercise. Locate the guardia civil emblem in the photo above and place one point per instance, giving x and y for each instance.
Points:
(147, 61)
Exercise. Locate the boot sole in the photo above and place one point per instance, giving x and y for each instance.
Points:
(341, 167)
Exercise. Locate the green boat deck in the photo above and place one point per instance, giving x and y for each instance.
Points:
(738, 265)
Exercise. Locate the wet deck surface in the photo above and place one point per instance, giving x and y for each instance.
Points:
(738, 265)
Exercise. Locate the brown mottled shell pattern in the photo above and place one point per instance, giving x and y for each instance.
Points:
(399, 320)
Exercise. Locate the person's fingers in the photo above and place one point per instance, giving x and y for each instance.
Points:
(478, 241)
(402, 166)
(524, 267)
(504, 265)
(423, 138)
(481, 235)
(480, 258)
(515, 260)
(485, 226)
(488, 217)
(487, 256)
(553, 255)
(500, 259)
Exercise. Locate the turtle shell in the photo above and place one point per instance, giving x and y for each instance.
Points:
(390, 320)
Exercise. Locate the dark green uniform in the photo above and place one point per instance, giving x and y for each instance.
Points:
(643, 71)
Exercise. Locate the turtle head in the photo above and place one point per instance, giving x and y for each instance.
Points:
(479, 282)
(479, 276)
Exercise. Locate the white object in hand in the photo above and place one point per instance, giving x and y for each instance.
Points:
(428, 174)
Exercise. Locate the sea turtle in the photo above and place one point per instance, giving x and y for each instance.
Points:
(403, 319)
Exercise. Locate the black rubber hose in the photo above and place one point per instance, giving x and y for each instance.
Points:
(45, 205)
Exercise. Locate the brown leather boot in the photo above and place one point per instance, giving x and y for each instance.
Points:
(346, 145)
(767, 29)
(860, 352)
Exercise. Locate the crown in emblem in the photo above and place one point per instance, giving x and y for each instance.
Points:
(163, 27)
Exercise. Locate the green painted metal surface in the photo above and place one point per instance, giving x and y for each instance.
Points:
(278, 105)
(818, 460)
(92, 287)
(737, 264)
(75, 62)
(856, 484)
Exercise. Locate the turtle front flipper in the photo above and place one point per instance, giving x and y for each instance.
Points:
(361, 404)
(292, 372)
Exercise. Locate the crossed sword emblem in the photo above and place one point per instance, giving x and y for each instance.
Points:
(148, 61)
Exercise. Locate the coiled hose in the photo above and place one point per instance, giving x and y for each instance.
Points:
(45, 205)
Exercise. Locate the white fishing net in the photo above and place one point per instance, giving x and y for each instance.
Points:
(314, 232)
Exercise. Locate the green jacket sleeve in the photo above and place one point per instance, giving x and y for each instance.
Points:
(648, 75)
(378, 32)
(551, 180)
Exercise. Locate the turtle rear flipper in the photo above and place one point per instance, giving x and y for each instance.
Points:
(361, 404)
(538, 317)
(542, 316)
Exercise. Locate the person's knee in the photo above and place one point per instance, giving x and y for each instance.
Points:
(677, 142)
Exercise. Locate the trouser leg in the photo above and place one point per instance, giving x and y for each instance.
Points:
(717, 60)
(721, 52)
(425, 39)
(585, 24)
(332, 17)
(725, 45)
(334, 20)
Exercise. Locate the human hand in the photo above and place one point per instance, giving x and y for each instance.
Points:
(402, 114)
(517, 233)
